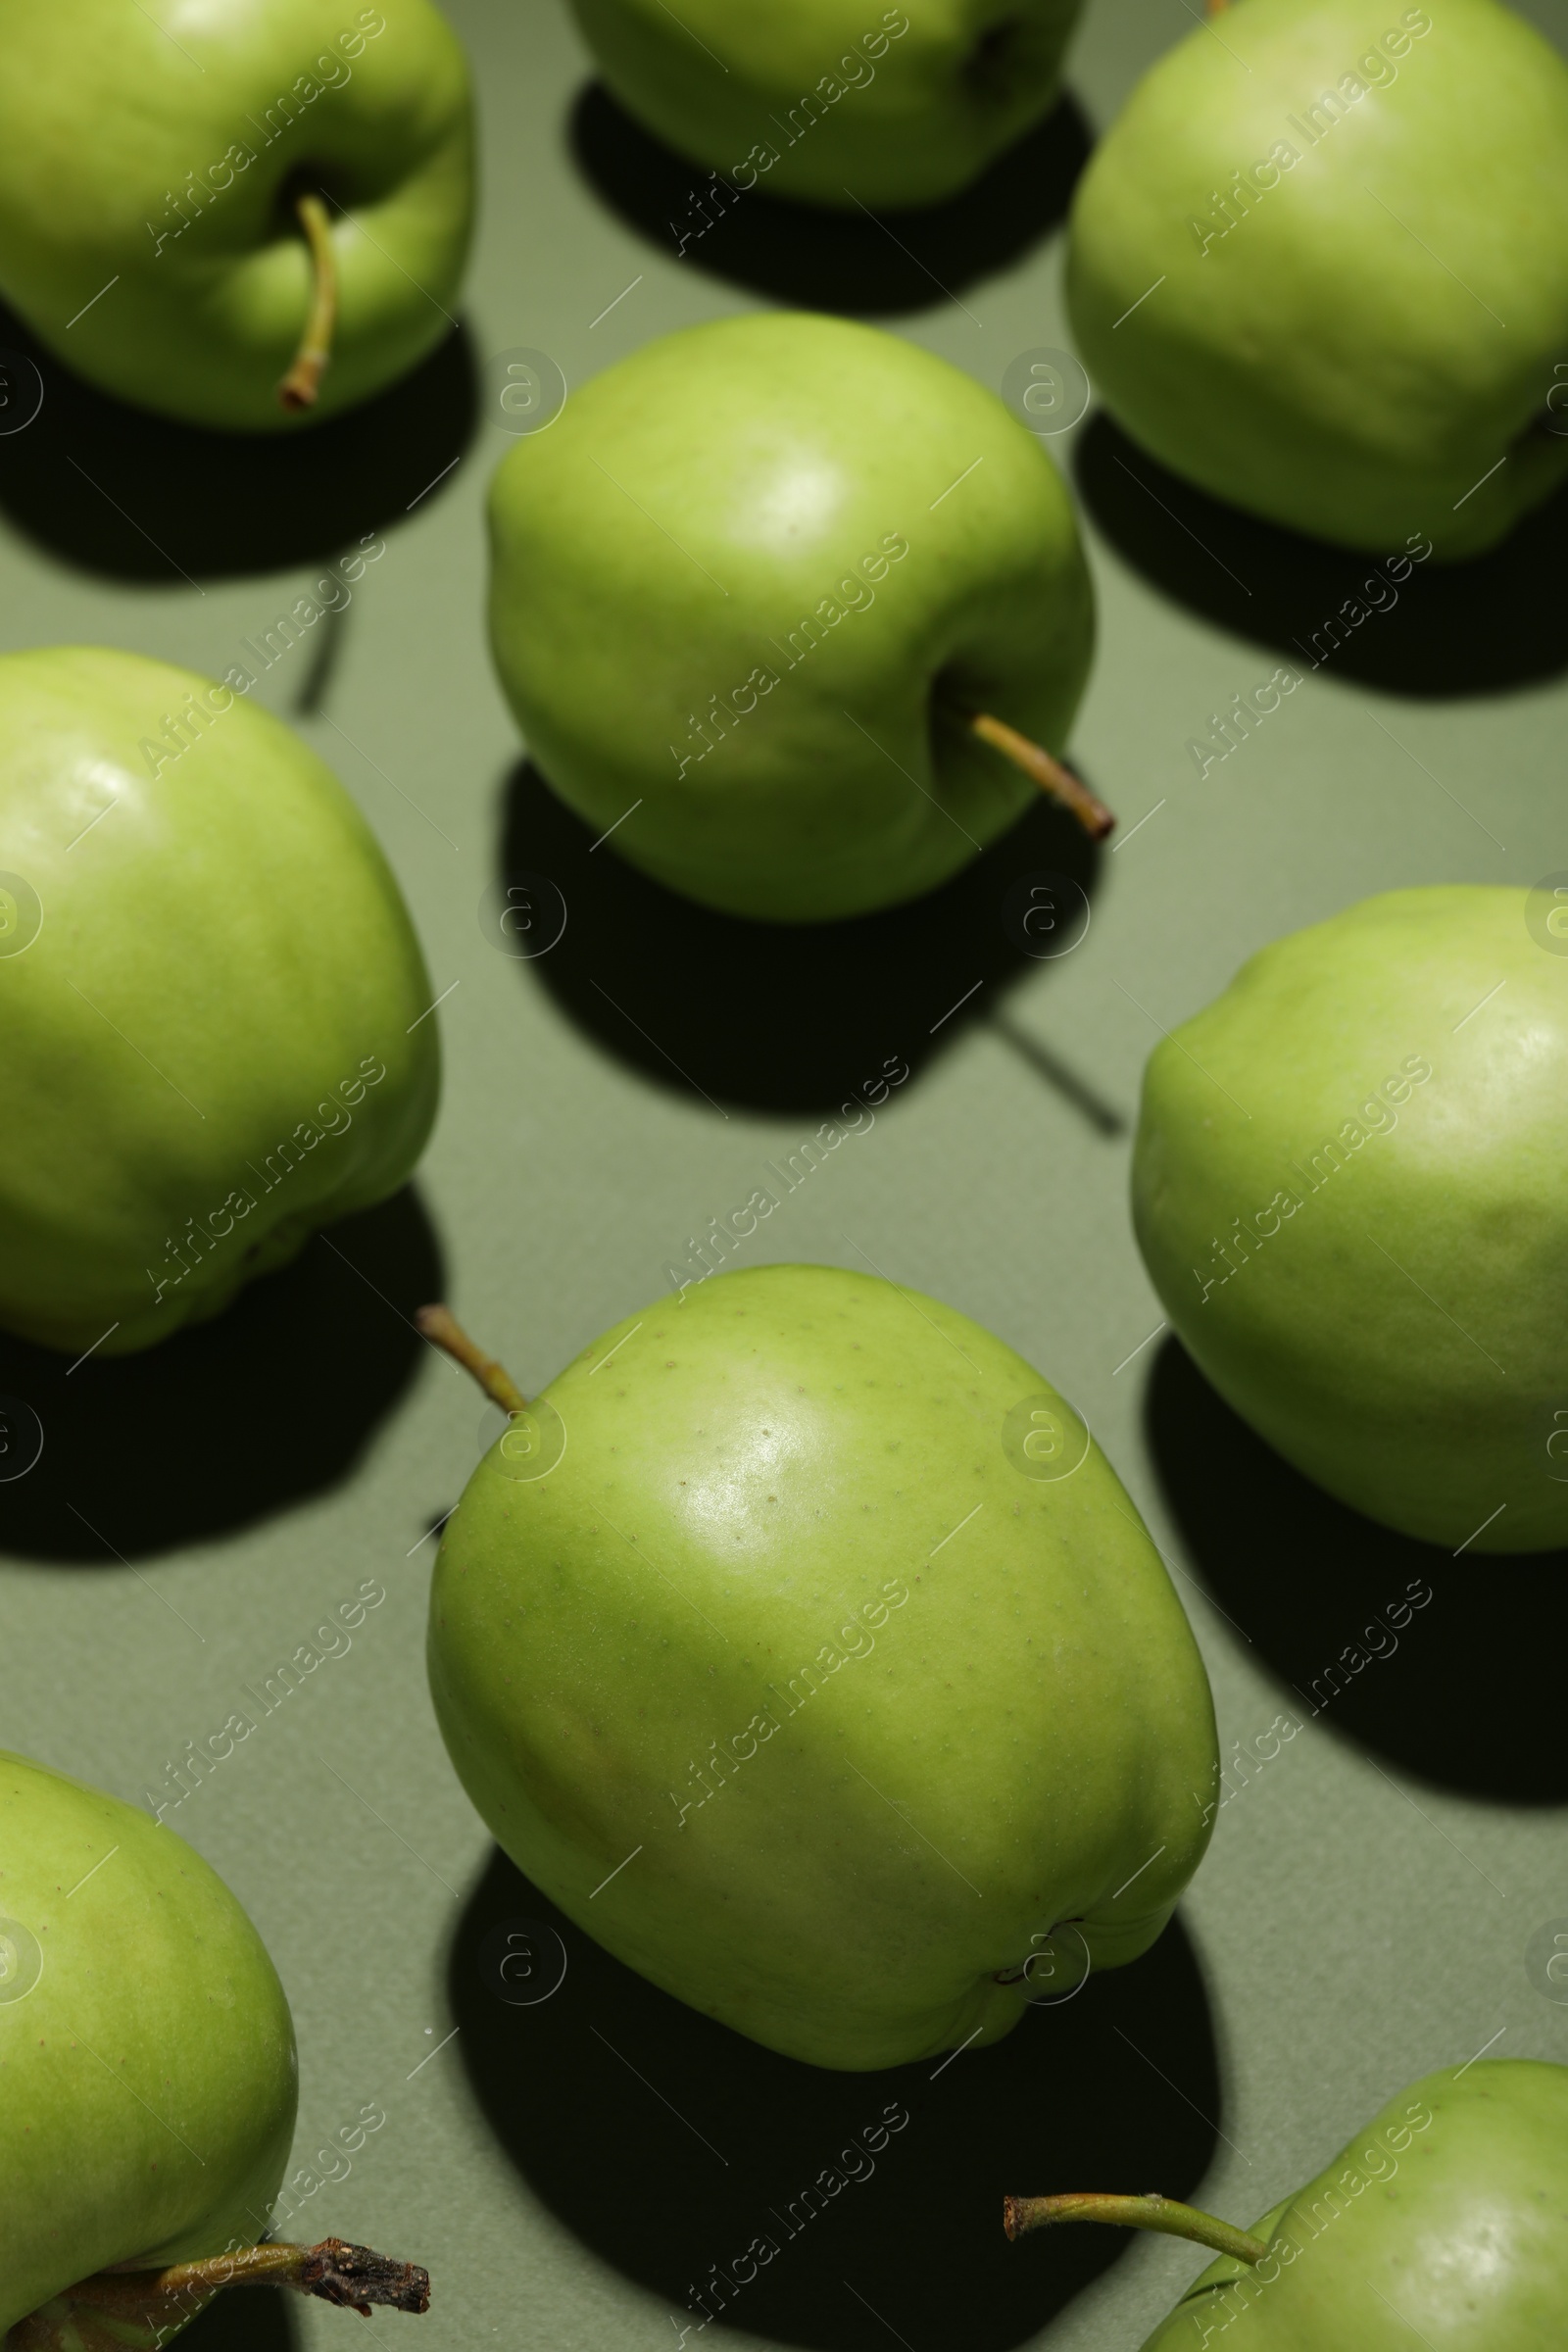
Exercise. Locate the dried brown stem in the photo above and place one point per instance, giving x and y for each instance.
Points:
(132, 2305)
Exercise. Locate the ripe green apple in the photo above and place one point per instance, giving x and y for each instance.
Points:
(147, 2054)
(1319, 265)
(750, 586)
(831, 100)
(210, 1000)
(152, 161)
(1346, 1189)
(145, 2045)
(801, 1644)
(1441, 2224)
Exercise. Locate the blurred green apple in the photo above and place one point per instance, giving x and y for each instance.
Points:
(749, 593)
(1442, 2223)
(1319, 265)
(800, 1644)
(830, 100)
(210, 1000)
(1348, 1190)
(151, 178)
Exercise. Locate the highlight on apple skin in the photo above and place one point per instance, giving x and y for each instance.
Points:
(1319, 266)
(212, 993)
(752, 589)
(831, 101)
(798, 1547)
(151, 184)
(1348, 1191)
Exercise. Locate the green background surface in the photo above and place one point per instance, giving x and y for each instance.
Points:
(1368, 1904)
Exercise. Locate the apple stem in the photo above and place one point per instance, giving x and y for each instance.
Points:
(137, 2307)
(1152, 2211)
(299, 389)
(440, 1326)
(1050, 774)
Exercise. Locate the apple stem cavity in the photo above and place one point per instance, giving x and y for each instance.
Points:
(300, 387)
(129, 2305)
(1152, 2211)
(1039, 766)
(441, 1327)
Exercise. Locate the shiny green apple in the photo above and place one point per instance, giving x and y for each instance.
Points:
(1348, 1190)
(145, 2046)
(151, 166)
(750, 586)
(1444, 2222)
(832, 100)
(800, 1644)
(210, 1000)
(1319, 265)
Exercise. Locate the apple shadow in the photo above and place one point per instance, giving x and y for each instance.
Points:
(815, 256)
(271, 1402)
(245, 2318)
(1498, 621)
(788, 1016)
(117, 491)
(666, 2142)
(1466, 1695)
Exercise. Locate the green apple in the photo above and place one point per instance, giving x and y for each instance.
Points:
(831, 100)
(211, 999)
(153, 164)
(1319, 265)
(150, 2085)
(748, 591)
(800, 1644)
(1346, 1189)
(1443, 2224)
(145, 2045)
